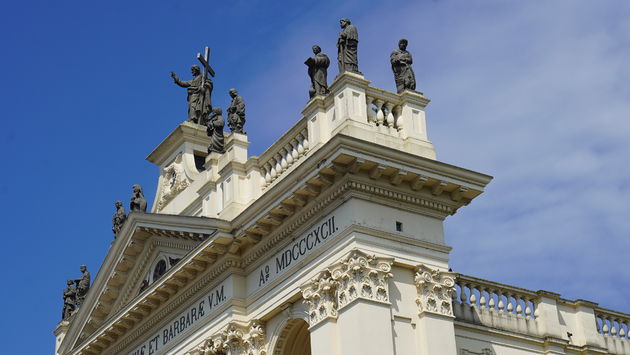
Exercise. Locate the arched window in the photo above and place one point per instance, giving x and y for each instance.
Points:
(160, 269)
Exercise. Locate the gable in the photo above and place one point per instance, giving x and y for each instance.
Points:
(144, 241)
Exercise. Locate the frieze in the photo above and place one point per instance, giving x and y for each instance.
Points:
(292, 254)
(186, 320)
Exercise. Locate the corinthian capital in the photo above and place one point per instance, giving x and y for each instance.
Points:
(435, 291)
(360, 275)
(320, 296)
(235, 339)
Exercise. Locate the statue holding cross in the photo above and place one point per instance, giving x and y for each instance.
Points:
(199, 90)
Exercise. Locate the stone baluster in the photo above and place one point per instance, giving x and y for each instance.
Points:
(289, 150)
(274, 171)
(473, 296)
(605, 327)
(294, 152)
(283, 160)
(379, 112)
(501, 304)
(482, 297)
(371, 117)
(509, 298)
(305, 143)
(519, 305)
(462, 295)
(300, 146)
(389, 120)
(623, 329)
(398, 123)
(491, 302)
(267, 173)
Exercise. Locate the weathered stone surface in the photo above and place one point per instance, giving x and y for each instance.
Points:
(318, 72)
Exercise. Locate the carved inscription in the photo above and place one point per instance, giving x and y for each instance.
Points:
(195, 312)
(296, 251)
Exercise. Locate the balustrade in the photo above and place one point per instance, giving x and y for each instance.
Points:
(280, 157)
(383, 109)
(612, 324)
(493, 304)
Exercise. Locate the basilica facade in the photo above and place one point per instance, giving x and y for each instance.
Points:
(329, 242)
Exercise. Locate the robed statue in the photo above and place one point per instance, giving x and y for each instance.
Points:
(347, 47)
(199, 95)
(69, 300)
(318, 71)
(83, 285)
(119, 218)
(215, 131)
(137, 202)
(236, 112)
(401, 66)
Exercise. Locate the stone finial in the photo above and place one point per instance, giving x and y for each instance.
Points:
(435, 291)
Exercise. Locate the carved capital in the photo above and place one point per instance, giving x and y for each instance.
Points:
(435, 291)
(235, 339)
(320, 296)
(361, 276)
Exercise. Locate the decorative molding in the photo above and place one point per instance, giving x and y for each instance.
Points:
(234, 339)
(174, 181)
(484, 351)
(435, 291)
(361, 276)
(320, 297)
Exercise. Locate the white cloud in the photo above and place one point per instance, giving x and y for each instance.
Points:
(534, 93)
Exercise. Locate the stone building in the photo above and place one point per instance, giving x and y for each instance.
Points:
(329, 242)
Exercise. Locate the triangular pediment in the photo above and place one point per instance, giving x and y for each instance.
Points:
(146, 248)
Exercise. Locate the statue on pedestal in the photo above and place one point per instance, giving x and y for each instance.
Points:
(119, 218)
(137, 201)
(401, 66)
(199, 94)
(69, 300)
(83, 285)
(347, 48)
(215, 131)
(318, 72)
(236, 113)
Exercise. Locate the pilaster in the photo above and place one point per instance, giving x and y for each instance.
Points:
(436, 331)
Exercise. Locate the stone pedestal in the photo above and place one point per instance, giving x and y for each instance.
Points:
(60, 333)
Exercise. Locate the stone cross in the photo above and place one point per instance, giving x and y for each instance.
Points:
(205, 61)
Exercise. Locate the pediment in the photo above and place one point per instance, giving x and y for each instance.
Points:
(147, 247)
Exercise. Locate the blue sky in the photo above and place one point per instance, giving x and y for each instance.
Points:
(534, 93)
